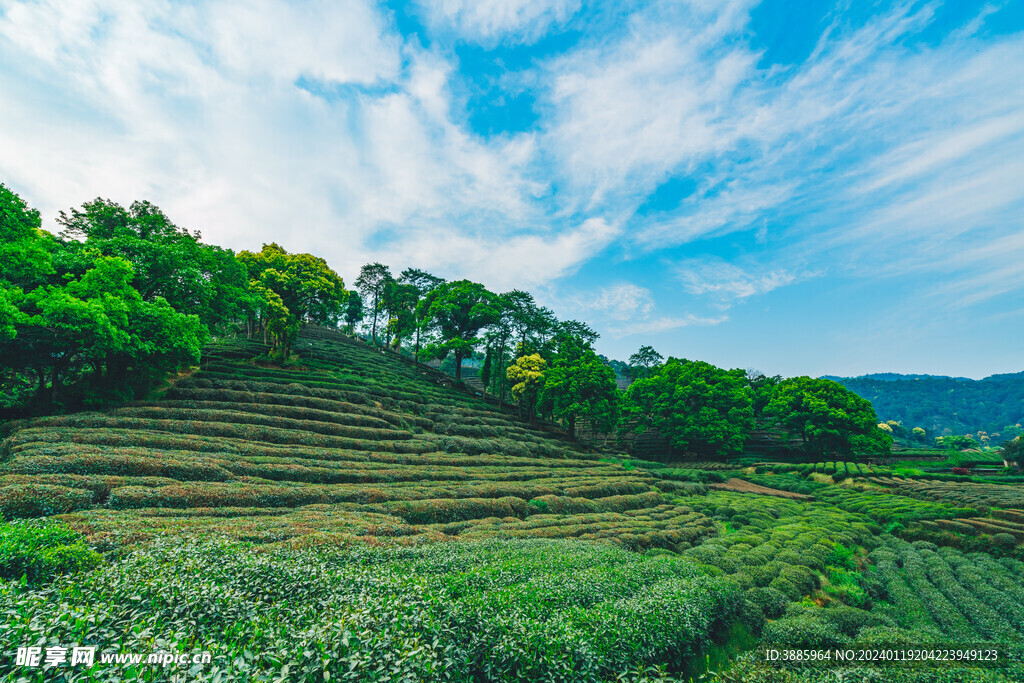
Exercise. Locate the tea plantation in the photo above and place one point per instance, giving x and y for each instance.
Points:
(353, 517)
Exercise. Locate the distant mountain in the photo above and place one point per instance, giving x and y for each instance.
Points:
(896, 377)
(943, 405)
(1005, 377)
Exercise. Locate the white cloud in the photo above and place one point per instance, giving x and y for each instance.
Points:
(663, 324)
(874, 156)
(628, 309)
(517, 261)
(522, 21)
(623, 301)
(197, 108)
(727, 281)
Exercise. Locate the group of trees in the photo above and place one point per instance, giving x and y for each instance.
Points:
(944, 405)
(550, 369)
(703, 408)
(121, 297)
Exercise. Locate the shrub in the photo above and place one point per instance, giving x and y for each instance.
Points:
(772, 602)
(801, 577)
(37, 500)
(786, 587)
(42, 551)
(1003, 540)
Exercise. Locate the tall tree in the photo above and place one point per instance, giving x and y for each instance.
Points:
(698, 406)
(762, 389)
(531, 324)
(829, 419)
(645, 358)
(168, 261)
(372, 282)
(72, 317)
(353, 310)
(582, 385)
(458, 311)
(527, 378)
(399, 305)
(424, 283)
(305, 289)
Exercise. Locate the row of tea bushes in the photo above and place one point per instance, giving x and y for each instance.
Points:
(961, 492)
(838, 470)
(966, 598)
(498, 611)
(784, 546)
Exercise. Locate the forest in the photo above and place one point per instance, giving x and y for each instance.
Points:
(993, 406)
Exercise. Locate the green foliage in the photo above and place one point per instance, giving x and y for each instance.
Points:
(579, 384)
(827, 418)
(372, 283)
(41, 551)
(524, 610)
(294, 288)
(167, 261)
(643, 360)
(944, 405)
(955, 442)
(697, 406)
(526, 376)
(457, 312)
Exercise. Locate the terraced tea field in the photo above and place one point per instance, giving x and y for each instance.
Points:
(353, 444)
(354, 516)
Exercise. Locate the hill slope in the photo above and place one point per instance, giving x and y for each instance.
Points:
(943, 405)
(353, 443)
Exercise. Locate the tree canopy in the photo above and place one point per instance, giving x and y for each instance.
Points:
(457, 311)
(699, 407)
(829, 419)
(73, 319)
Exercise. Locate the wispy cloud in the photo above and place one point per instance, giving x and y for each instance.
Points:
(662, 324)
(890, 148)
(727, 282)
(488, 21)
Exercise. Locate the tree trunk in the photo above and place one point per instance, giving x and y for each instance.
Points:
(572, 426)
(458, 366)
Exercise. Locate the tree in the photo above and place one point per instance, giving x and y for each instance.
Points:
(304, 289)
(698, 406)
(167, 261)
(582, 385)
(371, 283)
(1013, 451)
(762, 389)
(527, 378)
(399, 304)
(828, 419)
(424, 283)
(644, 358)
(72, 319)
(955, 442)
(896, 427)
(353, 310)
(919, 434)
(531, 324)
(458, 311)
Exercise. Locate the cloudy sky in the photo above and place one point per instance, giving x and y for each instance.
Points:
(801, 187)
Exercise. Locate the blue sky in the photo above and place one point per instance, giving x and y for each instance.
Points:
(803, 188)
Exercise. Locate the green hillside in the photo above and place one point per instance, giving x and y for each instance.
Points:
(352, 442)
(352, 515)
(946, 405)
